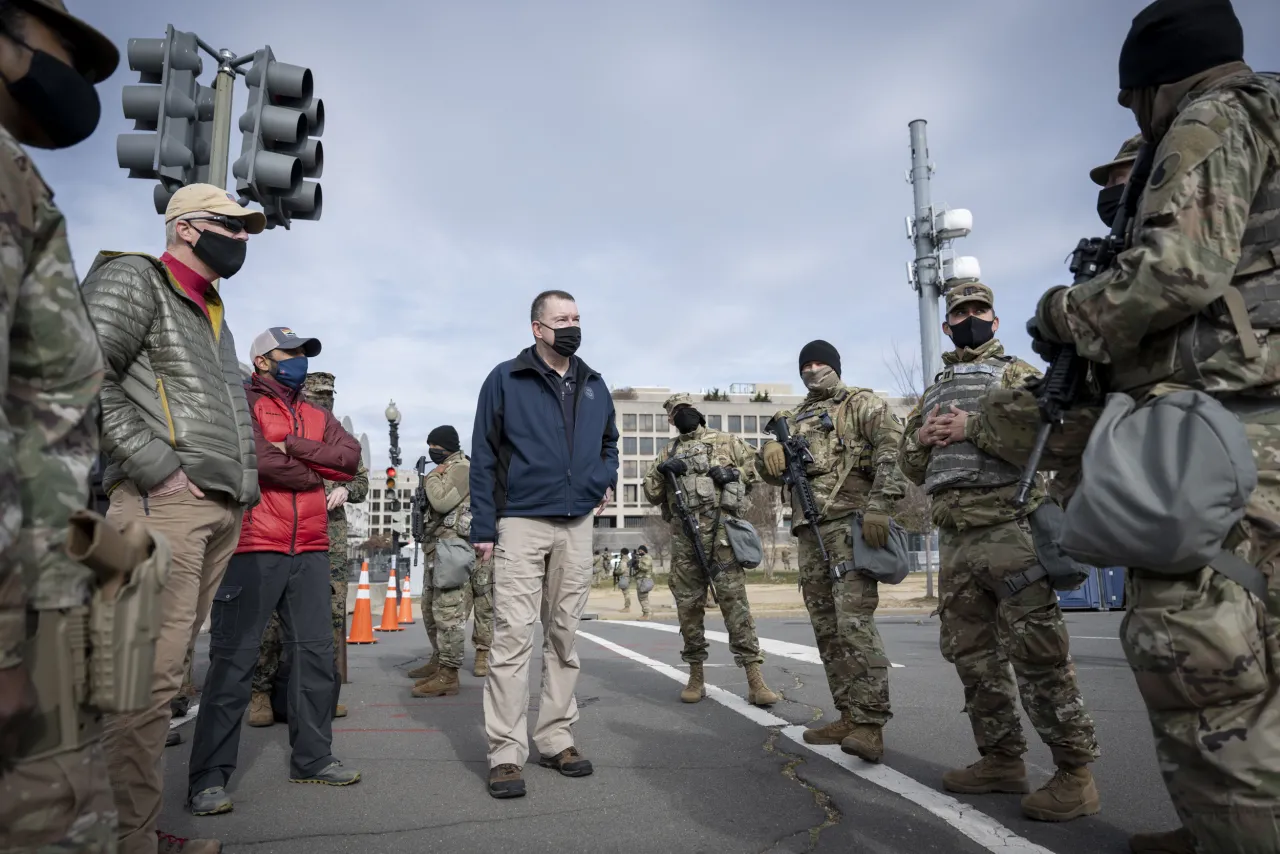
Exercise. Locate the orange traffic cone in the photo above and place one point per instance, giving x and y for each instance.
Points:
(362, 619)
(406, 602)
(390, 623)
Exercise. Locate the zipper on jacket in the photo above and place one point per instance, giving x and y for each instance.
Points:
(168, 416)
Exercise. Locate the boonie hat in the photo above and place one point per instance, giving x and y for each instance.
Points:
(1127, 154)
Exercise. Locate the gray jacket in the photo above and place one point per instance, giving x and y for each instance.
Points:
(173, 395)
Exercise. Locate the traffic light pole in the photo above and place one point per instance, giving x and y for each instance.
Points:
(224, 88)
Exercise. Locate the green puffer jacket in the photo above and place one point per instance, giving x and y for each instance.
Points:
(173, 395)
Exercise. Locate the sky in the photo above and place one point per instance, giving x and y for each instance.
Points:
(716, 181)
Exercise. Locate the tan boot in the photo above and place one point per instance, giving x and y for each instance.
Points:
(481, 667)
(832, 733)
(260, 713)
(992, 773)
(697, 688)
(865, 742)
(427, 670)
(340, 712)
(1177, 841)
(758, 693)
(443, 684)
(1070, 793)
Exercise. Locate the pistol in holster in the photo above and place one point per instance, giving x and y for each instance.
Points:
(100, 657)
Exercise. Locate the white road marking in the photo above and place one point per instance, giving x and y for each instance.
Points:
(190, 716)
(786, 649)
(1091, 637)
(978, 826)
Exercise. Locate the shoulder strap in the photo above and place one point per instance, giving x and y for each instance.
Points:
(846, 464)
(1239, 570)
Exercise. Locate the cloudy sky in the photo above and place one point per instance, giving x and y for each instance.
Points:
(717, 181)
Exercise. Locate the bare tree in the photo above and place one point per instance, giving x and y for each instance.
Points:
(913, 511)
(906, 375)
(764, 512)
(376, 543)
(657, 535)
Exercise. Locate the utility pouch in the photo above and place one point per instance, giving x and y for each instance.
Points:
(624, 581)
(454, 561)
(731, 496)
(744, 542)
(645, 584)
(1064, 571)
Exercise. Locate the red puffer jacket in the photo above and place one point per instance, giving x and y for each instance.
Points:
(293, 517)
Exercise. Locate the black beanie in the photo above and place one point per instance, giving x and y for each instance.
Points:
(446, 437)
(820, 351)
(1172, 40)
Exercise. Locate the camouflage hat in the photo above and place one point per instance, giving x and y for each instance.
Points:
(1127, 154)
(318, 382)
(95, 55)
(677, 400)
(969, 292)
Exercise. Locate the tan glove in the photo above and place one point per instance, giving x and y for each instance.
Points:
(875, 530)
(775, 458)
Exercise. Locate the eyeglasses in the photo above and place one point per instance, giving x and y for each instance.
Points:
(230, 223)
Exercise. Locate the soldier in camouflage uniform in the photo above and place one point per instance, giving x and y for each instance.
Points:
(993, 613)
(625, 567)
(318, 389)
(715, 471)
(642, 570)
(854, 440)
(448, 488)
(52, 372)
(1206, 653)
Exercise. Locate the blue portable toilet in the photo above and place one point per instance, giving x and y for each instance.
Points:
(1086, 597)
(1113, 587)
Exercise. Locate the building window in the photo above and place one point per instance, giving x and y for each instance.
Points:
(633, 521)
(629, 422)
(755, 443)
(377, 493)
(713, 422)
(646, 423)
(748, 424)
(662, 445)
(377, 507)
(629, 468)
(735, 423)
(629, 444)
(630, 494)
(386, 520)
(646, 446)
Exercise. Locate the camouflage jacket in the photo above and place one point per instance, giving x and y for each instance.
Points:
(703, 450)
(357, 490)
(1156, 315)
(968, 507)
(644, 567)
(448, 487)
(854, 440)
(53, 372)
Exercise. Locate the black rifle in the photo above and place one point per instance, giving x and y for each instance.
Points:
(1062, 383)
(691, 529)
(419, 507)
(799, 457)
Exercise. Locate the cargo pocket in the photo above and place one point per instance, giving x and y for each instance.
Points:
(1037, 636)
(1194, 649)
(225, 614)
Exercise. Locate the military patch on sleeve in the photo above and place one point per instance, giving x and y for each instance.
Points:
(1165, 168)
(1183, 151)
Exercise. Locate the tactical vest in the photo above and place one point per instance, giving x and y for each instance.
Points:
(962, 464)
(700, 491)
(454, 524)
(833, 450)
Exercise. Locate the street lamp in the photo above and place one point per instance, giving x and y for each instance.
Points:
(393, 414)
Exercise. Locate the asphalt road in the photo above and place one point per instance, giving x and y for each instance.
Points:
(718, 776)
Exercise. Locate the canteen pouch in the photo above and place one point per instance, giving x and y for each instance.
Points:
(889, 565)
(744, 542)
(454, 561)
(731, 496)
(624, 581)
(644, 585)
(1162, 486)
(1064, 571)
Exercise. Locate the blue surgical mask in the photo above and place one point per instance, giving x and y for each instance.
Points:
(292, 373)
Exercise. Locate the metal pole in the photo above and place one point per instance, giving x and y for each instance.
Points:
(927, 273)
(224, 88)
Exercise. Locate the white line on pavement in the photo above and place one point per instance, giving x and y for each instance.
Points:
(1091, 637)
(978, 826)
(786, 649)
(174, 723)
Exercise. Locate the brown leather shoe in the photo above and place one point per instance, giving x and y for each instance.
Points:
(568, 762)
(506, 781)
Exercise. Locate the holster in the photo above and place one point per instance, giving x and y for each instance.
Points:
(56, 656)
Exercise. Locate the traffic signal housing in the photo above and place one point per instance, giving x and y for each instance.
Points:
(173, 112)
(279, 149)
(391, 477)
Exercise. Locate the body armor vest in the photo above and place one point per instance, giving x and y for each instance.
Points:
(962, 464)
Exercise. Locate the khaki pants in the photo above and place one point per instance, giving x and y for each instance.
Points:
(203, 534)
(540, 567)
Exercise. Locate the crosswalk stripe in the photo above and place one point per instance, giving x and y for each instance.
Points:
(786, 649)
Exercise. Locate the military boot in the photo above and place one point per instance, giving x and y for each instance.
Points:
(427, 670)
(260, 713)
(443, 684)
(696, 689)
(992, 773)
(1177, 841)
(481, 667)
(1070, 793)
(832, 733)
(865, 742)
(758, 693)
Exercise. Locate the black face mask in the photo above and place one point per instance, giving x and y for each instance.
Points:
(58, 98)
(1109, 203)
(568, 339)
(224, 255)
(687, 419)
(438, 455)
(972, 332)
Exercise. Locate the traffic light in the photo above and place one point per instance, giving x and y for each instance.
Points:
(174, 112)
(278, 150)
(391, 477)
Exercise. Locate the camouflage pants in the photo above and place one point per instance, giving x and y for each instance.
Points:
(60, 804)
(450, 609)
(1206, 656)
(689, 584)
(844, 626)
(982, 636)
(642, 598)
(264, 674)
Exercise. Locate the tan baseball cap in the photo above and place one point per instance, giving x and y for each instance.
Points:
(96, 57)
(969, 292)
(1127, 154)
(206, 197)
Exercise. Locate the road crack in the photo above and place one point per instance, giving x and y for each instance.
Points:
(815, 711)
(831, 815)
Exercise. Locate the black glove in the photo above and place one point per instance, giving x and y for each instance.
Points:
(1045, 349)
(723, 475)
(675, 466)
